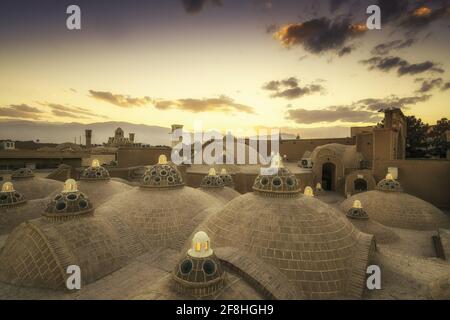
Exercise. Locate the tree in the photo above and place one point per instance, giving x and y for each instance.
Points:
(438, 140)
(416, 140)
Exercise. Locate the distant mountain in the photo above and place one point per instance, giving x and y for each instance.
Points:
(48, 132)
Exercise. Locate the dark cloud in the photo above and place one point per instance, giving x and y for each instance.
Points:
(70, 111)
(446, 86)
(289, 88)
(320, 35)
(220, 104)
(429, 85)
(389, 102)
(271, 28)
(120, 100)
(364, 110)
(402, 66)
(20, 111)
(332, 114)
(392, 10)
(344, 51)
(194, 6)
(384, 48)
(423, 16)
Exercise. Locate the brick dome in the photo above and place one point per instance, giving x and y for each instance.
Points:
(310, 242)
(95, 172)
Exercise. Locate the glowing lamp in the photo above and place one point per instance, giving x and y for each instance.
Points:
(95, 163)
(70, 186)
(162, 159)
(319, 186)
(212, 172)
(389, 177)
(200, 245)
(357, 204)
(7, 187)
(223, 171)
(309, 192)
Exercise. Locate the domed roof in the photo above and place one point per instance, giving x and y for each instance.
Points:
(227, 178)
(161, 217)
(95, 172)
(212, 180)
(162, 175)
(357, 211)
(36, 187)
(10, 197)
(276, 180)
(440, 288)
(69, 203)
(22, 173)
(389, 184)
(399, 210)
(199, 273)
(310, 242)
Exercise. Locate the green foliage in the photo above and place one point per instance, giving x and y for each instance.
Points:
(438, 140)
(417, 138)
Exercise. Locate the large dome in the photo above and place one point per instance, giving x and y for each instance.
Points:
(310, 242)
(163, 215)
(33, 187)
(393, 208)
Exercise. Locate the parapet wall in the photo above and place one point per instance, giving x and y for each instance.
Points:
(426, 179)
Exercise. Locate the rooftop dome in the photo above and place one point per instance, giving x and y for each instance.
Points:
(357, 211)
(22, 173)
(199, 272)
(391, 207)
(95, 172)
(69, 203)
(212, 180)
(162, 175)
(10, 197)
(310, 242)
(161, 217)
(389, 184)
(33, 187)
(276, 180)
(227, 178)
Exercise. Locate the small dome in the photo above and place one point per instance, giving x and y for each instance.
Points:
(199, 273)
(10, 197)
(398, 210)
(227, 178)
(69, 203)
(95, 172)
(389, 184)
(276, 180)
(319, 187)
(356, 211)
(162, 175)
(212, 180)
(22, 173)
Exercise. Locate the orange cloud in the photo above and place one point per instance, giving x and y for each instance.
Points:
(421, 12)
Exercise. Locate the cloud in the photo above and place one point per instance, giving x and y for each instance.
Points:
(423, 16)
(289, 88)
(70, 111)
(429, 85)
(384, 48)
(364, 110)
(120, 100)
(389, 102)
(332, 114)
(220, 104)
(336, 4)
(446, 86)
(319, 35)
(195, 6)
(344, 51)
(21, 111)
(392, 10)
(402, 66)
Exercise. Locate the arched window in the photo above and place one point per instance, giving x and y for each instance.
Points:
(360, 185)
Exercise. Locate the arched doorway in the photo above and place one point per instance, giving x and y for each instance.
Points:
(359, 185)
(328, 176)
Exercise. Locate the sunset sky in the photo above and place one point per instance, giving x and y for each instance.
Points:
(231, 64)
